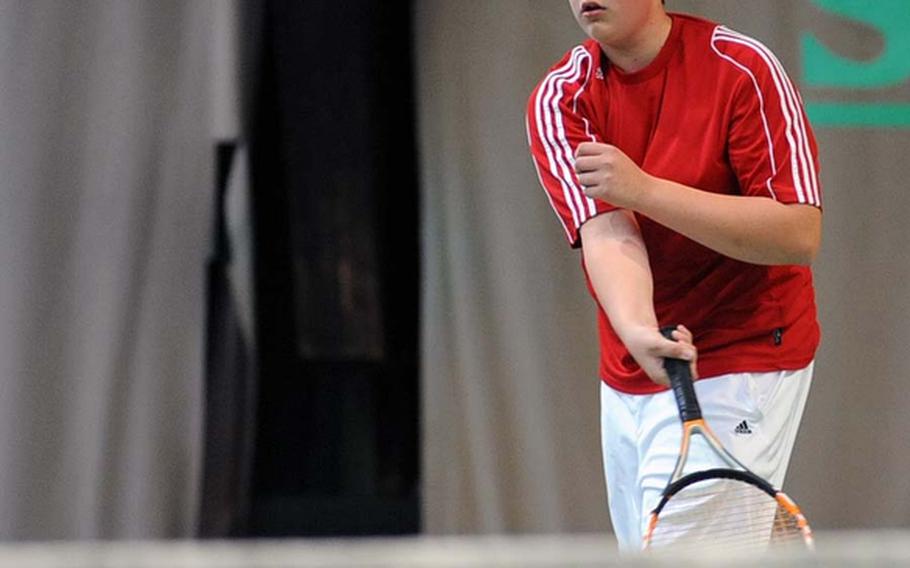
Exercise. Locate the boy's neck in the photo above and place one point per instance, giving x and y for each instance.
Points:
(639, 50)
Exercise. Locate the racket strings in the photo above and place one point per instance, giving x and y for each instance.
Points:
(786, 526)
(723, 514)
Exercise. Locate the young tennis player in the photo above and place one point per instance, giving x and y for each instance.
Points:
(677, 156)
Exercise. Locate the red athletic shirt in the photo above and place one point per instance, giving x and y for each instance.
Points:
(715, 110)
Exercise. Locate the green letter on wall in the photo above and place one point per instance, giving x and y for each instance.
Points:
(891, 18)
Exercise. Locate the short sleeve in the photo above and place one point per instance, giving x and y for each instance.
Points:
(557, 124)
(771, 145)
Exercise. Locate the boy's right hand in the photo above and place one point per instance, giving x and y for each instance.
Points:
(649, 349)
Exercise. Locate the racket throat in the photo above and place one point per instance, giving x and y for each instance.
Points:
(689, 428)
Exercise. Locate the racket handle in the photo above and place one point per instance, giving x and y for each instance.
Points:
(681, 382)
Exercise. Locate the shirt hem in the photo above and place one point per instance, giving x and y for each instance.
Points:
(711, 370)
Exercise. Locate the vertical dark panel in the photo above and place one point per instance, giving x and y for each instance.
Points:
(327, 89)
(336, 216)
(229, 385)
(397, 212)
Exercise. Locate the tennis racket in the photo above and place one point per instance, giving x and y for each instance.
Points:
(726, 507)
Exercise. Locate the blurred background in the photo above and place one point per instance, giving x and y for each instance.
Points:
(283, 268)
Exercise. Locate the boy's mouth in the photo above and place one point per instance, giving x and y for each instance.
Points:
(590, 8)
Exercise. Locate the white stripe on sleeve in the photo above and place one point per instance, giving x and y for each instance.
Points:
(555, 128)
(543, 184)
(544, 92)
(761, 106)
(803, 167)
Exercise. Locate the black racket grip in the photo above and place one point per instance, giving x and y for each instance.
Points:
(681, 382)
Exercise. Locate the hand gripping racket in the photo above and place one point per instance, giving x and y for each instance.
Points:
(726, 507)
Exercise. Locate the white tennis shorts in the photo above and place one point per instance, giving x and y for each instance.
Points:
(755, 416)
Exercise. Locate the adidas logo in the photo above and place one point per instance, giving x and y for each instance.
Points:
(742, 428)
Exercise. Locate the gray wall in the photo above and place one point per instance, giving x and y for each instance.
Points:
(106, 149)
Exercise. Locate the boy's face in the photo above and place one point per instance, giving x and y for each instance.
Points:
(612, 21)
